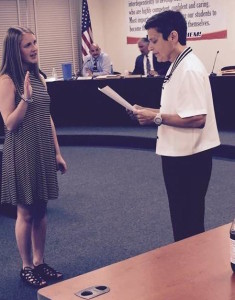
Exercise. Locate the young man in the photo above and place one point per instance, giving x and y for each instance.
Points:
(187, 129)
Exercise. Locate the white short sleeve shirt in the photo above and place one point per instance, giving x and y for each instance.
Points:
(187, 93)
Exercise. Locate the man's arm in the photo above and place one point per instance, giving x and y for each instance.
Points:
(146, 116)
(85, 66)
(139, 67)
(135, 71)
(188, 122)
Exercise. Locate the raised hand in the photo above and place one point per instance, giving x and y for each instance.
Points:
(27, 87)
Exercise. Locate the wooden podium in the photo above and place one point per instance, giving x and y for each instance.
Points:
(197, 268)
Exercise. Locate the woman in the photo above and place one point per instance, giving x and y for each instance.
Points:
(31, 154)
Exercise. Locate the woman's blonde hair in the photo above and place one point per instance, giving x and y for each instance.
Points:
(11, 58)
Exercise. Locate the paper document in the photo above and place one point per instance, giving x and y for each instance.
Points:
(84, 78)
(116, 97)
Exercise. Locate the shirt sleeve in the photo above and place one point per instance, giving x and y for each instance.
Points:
(192, 96)
(86, 65)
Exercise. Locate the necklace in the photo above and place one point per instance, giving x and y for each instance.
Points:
(179, 58)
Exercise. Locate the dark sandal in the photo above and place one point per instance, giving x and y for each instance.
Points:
(32, 278)
(48, 272)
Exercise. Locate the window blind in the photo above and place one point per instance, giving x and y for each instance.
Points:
(56, 24)
(8, 17)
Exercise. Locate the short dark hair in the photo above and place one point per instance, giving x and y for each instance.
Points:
(144, 39)
(167, 21)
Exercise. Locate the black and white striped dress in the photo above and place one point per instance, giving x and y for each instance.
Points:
(28, 163)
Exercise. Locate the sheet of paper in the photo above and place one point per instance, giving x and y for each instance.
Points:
(84, 78)
(100, 77)
(116, 97)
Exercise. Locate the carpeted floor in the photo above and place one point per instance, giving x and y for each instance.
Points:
(112, 206)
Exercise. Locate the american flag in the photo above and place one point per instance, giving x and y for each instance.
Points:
(87, 38)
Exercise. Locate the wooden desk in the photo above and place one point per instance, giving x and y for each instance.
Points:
(196, 268)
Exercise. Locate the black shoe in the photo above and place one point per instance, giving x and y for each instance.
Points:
(32, 278)
(47, 272)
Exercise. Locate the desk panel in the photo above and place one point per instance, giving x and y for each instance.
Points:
(76, 103)
(80, 102)
(223, 91)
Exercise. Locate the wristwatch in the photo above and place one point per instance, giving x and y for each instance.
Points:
(158, 119)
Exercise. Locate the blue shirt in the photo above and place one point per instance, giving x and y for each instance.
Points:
(103, 65)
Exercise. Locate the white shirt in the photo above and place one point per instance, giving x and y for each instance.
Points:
(150, 56)
(187, 93)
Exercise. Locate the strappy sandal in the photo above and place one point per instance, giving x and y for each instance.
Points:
(32, 278)
(48, 272)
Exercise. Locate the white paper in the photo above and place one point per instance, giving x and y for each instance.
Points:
(84, 78)
(51, 79)
(116, 97)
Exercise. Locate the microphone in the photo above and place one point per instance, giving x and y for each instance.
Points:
(212, 72)
(79, 73)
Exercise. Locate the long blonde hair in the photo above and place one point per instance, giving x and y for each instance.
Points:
(11, 58)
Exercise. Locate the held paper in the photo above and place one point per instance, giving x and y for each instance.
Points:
(116, 97)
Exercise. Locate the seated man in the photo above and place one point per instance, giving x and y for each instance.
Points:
(146, 63)
(97, 63)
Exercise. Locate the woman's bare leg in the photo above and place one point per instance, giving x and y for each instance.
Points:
(39, 235)
(23, 229)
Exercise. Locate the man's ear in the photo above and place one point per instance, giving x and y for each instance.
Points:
(173, 36)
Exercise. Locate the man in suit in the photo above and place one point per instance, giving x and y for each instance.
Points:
(146, 63)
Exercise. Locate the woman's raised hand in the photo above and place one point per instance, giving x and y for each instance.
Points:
(27, 87)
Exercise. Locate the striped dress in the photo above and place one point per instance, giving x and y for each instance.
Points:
(28, 163)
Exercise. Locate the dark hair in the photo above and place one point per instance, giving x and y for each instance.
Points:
(144, 39)
(167, 21)
(11, 58)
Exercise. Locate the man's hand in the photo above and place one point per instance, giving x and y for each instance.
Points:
(131, 113)
(88, 72)
(145, 116)
(153, 72)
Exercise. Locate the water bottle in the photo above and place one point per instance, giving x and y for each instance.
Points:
(232, 246)
(111, 68)
(54, 74)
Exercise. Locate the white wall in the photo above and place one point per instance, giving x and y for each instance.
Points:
(108, 18)
(111, 13)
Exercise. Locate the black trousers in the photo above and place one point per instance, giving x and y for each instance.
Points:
(186, 180)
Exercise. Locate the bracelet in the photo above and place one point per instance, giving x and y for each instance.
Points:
(29, 100)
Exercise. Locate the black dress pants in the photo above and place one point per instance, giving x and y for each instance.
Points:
(186, 180)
